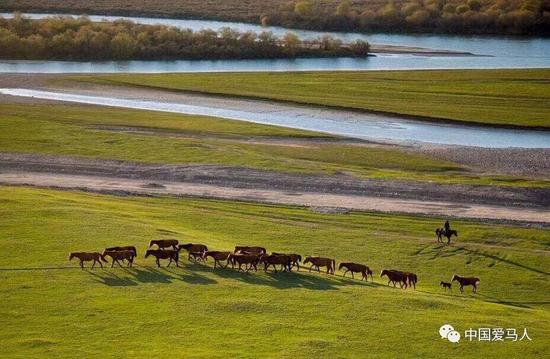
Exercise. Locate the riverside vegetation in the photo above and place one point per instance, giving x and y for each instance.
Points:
(69, 38)
(436, 16)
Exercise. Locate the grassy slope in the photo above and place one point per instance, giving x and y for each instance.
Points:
(195, 311)
(69, 130)
(497, 97)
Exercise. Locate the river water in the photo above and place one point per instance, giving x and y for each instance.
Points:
(345, 123)
(497, 52)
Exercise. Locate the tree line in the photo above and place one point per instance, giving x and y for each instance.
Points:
(69, 38)
(446, 16)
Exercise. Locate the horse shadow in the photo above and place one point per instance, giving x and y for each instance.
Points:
(111, 279)
(192, 277)
(151, 275)
(284, 280)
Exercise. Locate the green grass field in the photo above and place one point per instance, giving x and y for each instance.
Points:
(74, 131)
(489, 97)
(50, 308)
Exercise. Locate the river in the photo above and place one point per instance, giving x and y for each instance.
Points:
(338, 122)
(496, 52)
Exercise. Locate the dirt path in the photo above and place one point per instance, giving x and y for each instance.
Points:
(145, 187)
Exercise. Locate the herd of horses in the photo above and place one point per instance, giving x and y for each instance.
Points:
(251, 257)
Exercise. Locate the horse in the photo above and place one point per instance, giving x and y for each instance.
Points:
(195, 248)
(159, 254)
(218, 257)
(120, 255)
(357, 268)
(446, 285)
(295, 259)
(441, 232)
(465, 281)
(123, 248)
(87, 257)
(164, 243)
(412, 279)
(274, 259)
(197, 256)
(250, 260)
(395, 276)
(249, 250)
(321, 262)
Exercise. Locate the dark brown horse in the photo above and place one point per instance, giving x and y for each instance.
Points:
(88, 257)
(250, 260)
(250, 250)
(172, 255)
(274, 259)
(395, 276)
(218, 257)
(441, 232)
(357, 268)
(165, 243)
(120, 255)
(196, 256)
(295, 259)
(321, 262)
(466, 281)
(123, 248)
(412, 279)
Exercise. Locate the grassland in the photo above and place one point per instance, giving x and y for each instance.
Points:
(50, 308)
(92, 132)
(487, 97)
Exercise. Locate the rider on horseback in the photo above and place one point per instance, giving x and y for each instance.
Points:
(447, 226)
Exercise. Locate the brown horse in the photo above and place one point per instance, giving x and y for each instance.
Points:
(295, 259)
(165, 243)
(274, 259)
(87, 257)
(441, 232)
(120, 255)
(218, 257)
(250, 261)
(465, 281)
(195, 251)
(195, 248)
(395, 276)
(357, 268)
(123, 248)
(321, 262)
(250, 250)
(172, 255)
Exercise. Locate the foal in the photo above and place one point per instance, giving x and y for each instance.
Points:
(446, 285)
(87, 257)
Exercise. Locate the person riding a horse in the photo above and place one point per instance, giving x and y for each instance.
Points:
(447, 226)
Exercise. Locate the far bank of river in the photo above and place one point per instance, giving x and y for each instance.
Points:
(395, 52)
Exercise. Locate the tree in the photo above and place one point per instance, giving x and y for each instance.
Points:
(344, 8)
(123, 46)
(303, 8)
(291, 42)
(360, 48)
